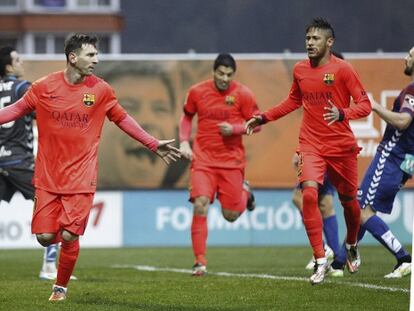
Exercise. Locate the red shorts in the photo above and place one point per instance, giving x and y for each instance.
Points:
(226, 183)
(342, 171)
(53, 212)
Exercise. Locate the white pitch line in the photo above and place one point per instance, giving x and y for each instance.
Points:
(261, 276)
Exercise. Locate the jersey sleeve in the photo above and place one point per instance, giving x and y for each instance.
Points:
(291, 103)
(114, 111)
(190, 107)
(362, 107)
(32, 95)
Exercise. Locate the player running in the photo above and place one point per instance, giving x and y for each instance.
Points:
(217, 157)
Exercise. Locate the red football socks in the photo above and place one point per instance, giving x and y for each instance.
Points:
(312, 220)
(199, 234)
(69, 253)
(352, 214)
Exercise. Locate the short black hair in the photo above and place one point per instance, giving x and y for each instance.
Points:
(321, 23)
(5, 58)
(225, 59)
(75, 41)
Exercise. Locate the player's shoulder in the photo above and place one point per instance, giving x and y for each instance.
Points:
(200, 88)
(300, 67)
(409, 88)
(304, 63)
(95, 81)
(243, 89)
(341, 64)
(50, 78)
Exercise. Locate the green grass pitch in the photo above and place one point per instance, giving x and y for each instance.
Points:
(259, 278)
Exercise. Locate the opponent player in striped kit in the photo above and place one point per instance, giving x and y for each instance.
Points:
(391, 167)
(71, 107)
(218, 158)
(16, 145)
(323, 85)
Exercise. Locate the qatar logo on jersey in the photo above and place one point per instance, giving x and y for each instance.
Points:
(329, 78)
(230, 100)
(88, 99)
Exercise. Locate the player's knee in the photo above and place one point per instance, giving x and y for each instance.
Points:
(347, 198)
(230, 216)
(68, 237)
(201, 205)
(366, 213)
(45, 239)
(310, 195)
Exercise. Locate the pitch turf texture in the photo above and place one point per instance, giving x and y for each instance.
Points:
(256, 278)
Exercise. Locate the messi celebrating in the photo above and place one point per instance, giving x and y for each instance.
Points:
(71, 106)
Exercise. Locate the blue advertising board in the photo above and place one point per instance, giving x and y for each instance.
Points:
(163, 218)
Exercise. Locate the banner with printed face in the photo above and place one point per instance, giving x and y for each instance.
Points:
(153, 92)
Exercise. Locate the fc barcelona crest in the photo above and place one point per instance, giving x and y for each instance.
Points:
(230, 100)
(88, 99)
(329, 78)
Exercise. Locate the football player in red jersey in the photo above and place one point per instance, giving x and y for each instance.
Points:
(323, 85)
(71, 107)
(217, 157)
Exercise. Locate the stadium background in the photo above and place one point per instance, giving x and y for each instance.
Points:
(136, 204)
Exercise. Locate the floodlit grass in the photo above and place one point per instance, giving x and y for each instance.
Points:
(102, 286)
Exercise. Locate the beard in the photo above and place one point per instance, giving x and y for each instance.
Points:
(408, 71)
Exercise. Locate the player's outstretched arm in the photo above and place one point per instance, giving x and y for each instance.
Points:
(399, 120)
(15, 111)
(162, 148)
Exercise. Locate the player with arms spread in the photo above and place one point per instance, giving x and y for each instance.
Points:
(323, 85)
(71, 107)
(218, 157)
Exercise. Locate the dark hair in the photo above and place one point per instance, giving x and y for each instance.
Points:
(225, 59)
(5, 59)
(321, 23)
(75, 41)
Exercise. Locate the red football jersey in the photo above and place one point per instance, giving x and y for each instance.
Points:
(312, 87)
(235, 105)
(69, 120)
